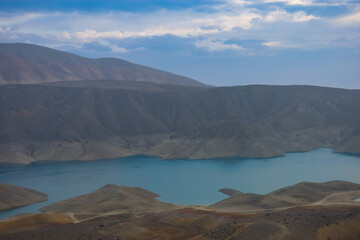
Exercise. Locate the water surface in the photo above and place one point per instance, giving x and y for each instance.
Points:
(180, 181)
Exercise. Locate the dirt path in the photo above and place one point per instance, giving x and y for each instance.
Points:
(342, 198)
(339, 198)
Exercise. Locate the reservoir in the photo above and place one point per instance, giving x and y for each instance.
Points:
(179, 181)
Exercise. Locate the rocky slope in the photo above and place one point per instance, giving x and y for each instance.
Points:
(109, 213)
(14, 196)
(107, 119)
(305, 193)
(27, 63)
(310, 223)
(111, 199)
(351, 143)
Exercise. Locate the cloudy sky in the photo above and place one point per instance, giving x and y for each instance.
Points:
(218, 42)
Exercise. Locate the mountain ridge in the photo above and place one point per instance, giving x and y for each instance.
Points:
(89, 120)
(27, 63)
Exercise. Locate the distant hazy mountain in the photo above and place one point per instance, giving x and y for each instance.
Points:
(107, 119)
(27, 63)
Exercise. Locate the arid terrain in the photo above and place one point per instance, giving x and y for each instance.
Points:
(14, 196)
(109, 199)
(22, 63)
(319, 211)
(88, 120)
(305, 193)
(58, 106)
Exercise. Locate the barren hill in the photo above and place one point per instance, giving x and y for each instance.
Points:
(108, 119)
(114, 212)
(27, 63)
(15, 196)
(111, 199)
(305, 193)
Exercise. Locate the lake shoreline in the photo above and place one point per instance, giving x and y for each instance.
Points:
(40, 162)
(185, 182)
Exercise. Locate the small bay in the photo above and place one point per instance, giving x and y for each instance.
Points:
(179, 181)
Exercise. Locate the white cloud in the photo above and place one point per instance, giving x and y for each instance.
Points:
(5, 29)
(241, 19)
(113, 47)
(287, 2)
(292, 2)
(67, 35)
(193, 25)
(10, 19)
(90, 34)
(352, 19)
(303, 17)
(217, 45)
(273, 44)
(239, 2)
(282, 15)
(188, 24)
(280, 44)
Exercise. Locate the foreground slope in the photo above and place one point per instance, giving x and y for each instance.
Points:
(324, 220)
(310, 223)
(111, 199)
(28, 63)
(305, 193)
(108, 119)
(14, 196)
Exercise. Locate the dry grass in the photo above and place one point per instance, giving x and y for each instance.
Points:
(34, 221)
(345, 230)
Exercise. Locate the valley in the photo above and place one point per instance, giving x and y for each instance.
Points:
(102, 148)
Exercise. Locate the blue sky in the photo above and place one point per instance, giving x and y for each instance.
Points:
(218, 42)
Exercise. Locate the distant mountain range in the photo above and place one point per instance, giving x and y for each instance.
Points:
(107, 119)
(27, 63)
(179, 118)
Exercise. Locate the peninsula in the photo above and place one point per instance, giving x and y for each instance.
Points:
(14, 196)
(306, 210)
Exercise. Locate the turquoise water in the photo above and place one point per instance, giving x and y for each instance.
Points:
(180, 181)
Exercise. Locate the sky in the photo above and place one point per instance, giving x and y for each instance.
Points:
(217, 42)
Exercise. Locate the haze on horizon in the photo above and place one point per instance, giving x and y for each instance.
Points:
(218, 42)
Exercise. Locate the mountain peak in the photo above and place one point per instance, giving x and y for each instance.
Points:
(22, 63)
